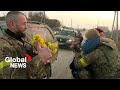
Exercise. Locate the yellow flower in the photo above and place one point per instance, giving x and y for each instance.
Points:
(54, 51)
(41, 40)
(54, 45)
(48, 44)
(38, 38)
(44, 45)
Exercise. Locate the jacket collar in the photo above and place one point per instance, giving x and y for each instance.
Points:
(15, 36)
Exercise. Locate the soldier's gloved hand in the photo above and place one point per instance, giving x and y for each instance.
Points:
(44, 53)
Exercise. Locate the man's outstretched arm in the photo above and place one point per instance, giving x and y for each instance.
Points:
(87, 59)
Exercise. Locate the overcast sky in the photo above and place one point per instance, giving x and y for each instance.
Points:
(81, 19)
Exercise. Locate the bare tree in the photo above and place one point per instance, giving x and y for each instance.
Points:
(41, 17)
(36, 16)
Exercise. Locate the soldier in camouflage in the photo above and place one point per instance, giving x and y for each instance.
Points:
(102, 63)
(76, 47)
(15, 43)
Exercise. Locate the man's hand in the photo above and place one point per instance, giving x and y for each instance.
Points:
(72, 45)
(44, 53)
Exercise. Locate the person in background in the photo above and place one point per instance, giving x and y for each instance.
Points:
(76, 47)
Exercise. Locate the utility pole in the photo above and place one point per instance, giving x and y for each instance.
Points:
(117, 28)
(77, 26)
(44, 16)
(98, 23)
(113, 27)
(71, 22)
(113, 24)
(41, 17)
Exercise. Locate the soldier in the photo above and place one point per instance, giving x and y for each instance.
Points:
(76, 46)
(94, 39)
(102, 63)
(14, 44)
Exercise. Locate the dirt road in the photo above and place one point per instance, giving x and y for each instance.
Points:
(60, 68)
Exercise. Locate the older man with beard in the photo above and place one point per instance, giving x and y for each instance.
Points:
(14, 44)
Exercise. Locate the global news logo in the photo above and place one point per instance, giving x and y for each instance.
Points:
(15, 62)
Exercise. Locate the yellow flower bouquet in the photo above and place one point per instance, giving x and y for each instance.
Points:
(53, 47)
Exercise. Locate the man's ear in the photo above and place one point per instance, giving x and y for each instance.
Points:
(12, 24)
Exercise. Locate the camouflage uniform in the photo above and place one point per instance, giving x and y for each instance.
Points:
(78, 73)
(12, 47)
(102, 63)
